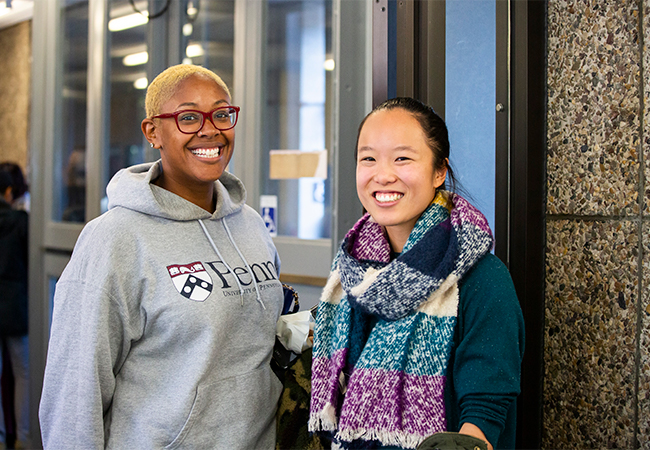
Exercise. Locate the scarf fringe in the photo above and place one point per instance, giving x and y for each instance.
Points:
(398, 438)
(323, 420)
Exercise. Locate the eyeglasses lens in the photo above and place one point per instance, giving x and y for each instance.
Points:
(192, 121)
(224, 118)
(189, 122)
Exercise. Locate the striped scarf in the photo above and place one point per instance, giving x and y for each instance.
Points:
(389, 389)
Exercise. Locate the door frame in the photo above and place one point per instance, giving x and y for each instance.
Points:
(418, 31)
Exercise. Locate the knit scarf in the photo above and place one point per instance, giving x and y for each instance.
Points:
(389, 389)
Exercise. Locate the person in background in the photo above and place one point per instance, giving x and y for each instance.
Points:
(164, 319)
(419, 329)
(14, 304)
(19, 187)
(75, 182)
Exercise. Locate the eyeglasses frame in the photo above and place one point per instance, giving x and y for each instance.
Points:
(205, 115)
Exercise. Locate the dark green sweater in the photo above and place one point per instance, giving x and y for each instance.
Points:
(483, 375)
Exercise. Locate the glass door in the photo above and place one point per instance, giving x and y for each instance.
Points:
(454, 55)
(128, 54)
(470, 98)
(298, 123)
(296, 130)
(69, 162)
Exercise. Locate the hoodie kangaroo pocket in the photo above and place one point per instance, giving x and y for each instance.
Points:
(235, 413)
(197, 407)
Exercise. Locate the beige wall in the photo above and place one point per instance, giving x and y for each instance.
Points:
(597, 335)
(15, 77)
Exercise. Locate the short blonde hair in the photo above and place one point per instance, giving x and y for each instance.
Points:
(162, 88)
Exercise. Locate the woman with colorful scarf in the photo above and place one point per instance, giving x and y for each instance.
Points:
(419, 329)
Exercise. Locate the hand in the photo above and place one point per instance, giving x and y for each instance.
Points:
(472, 430)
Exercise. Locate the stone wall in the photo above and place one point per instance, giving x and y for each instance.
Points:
(15, 79)
(597, 338)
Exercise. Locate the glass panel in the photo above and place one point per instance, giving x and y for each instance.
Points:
(470, 97)
(208, 36)
(69, 189)
(127, 85)
(295, 114)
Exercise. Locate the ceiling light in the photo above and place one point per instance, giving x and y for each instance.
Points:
(126, 22)
(188, 29)
(191, 10)
(135, 59)
(141, 83)
(329, 65)
(194, 50)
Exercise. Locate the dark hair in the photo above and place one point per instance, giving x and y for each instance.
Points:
(18, 184)
(434, 128)
(5, 181)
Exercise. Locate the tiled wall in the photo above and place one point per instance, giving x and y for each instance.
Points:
(597, 335)
(15, 76)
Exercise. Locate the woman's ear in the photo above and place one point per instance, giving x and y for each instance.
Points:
(441, 175)
(149, 130)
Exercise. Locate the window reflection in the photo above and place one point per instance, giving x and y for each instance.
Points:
(297, 90)
(208, 36)
(69, 193)
(127, 86)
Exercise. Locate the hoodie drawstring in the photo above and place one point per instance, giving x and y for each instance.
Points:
(250, 271)
(234, 244)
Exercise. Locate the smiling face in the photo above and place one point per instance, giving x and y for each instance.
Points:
(396, 179)
(192, 162)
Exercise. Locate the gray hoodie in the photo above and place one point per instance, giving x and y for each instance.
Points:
(163, 325)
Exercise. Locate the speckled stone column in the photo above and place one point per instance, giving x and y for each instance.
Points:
(596, 335)
(15, 76)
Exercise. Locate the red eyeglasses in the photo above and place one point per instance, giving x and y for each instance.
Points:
(190, 121)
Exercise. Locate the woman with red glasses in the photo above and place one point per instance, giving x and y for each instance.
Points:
(164, 319)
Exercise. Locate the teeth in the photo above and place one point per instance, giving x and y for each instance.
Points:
(384, 198)
(206, 152)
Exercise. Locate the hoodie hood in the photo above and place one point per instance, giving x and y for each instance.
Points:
(132, 188)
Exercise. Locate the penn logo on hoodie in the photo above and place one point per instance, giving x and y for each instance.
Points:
(192, 281)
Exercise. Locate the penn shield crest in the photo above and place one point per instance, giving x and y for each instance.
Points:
(192, 281)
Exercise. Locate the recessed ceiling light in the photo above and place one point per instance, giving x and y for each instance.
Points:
(194, 50)
(141, 83)
(128, 21)
(135, 59)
